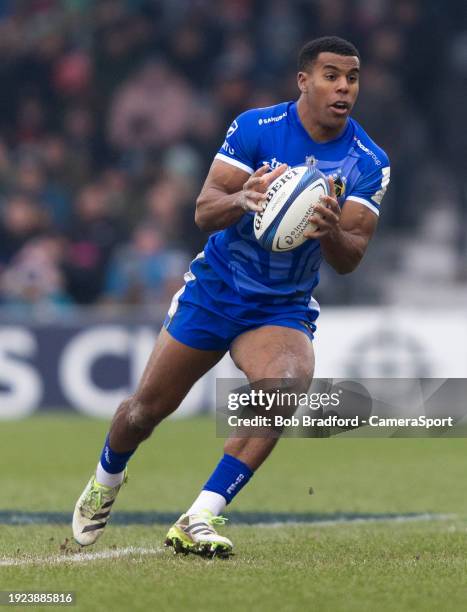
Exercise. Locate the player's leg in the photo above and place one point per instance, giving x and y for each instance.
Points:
(172, 370)
(269, 352)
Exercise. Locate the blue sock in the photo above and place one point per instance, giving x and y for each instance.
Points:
(113, 462)
(229, 477)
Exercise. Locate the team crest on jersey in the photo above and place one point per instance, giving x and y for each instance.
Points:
(340, 183)
(233, 128)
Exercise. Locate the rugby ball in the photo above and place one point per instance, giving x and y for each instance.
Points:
(290, 201)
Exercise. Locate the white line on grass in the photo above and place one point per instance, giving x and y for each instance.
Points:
(118, 553)
(79, 557)
(373, 519)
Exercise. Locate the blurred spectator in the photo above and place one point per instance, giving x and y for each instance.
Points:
(31, 118)
(21, 219)
(94, 234)
(207, 130)
(151, 109)
(5, 166)
(72, 74)
(170, 209)
(407, 141)
(34, 278)
(164, 201)
(32, 180)
(191, 50)
(85, 142)
(116, 184)
(112, 111)
(283, 27)
(145, 271)
(231, 92)
(122, 40)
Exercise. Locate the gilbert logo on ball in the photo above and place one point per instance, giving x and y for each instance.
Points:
(290, 202)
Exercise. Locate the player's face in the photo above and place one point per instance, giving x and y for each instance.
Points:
(330, 87)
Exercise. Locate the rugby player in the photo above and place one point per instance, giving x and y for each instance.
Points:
(240, 298)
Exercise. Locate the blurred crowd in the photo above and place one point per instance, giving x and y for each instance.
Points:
(112, 110)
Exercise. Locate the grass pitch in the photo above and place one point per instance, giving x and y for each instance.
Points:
(387, 564)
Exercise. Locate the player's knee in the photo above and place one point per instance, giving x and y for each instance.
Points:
(287, 369)
(141, 416)
(303, 373)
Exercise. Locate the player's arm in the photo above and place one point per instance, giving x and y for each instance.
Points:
(229, 192)
(344, 234)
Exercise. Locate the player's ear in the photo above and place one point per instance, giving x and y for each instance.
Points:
(302, 82)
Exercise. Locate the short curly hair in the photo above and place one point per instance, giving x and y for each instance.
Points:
(325, 44)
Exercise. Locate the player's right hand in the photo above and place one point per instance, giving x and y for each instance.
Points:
(252, 197)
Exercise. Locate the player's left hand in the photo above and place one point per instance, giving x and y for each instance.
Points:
(326, 215)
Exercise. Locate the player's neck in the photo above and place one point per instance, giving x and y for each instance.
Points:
(318, 132)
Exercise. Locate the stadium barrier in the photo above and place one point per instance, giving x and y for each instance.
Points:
(89, 364)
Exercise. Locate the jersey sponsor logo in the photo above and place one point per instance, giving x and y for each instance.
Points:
(384, 185)
(233, 128)
(368, 151)
(227, 148)
(272, 119)
(273, 163)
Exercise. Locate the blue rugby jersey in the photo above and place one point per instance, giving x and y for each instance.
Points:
(276, 135)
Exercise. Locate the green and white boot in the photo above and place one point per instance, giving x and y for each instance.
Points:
(92, 511)
(196, 534)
